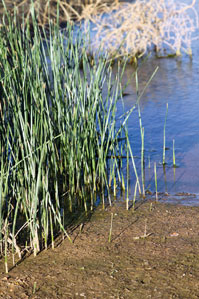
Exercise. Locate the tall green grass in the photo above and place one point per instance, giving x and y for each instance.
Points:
(61, 143)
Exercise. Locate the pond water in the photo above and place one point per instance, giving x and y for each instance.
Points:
(175, 83)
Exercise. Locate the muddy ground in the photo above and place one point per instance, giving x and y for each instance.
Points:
(153, 253)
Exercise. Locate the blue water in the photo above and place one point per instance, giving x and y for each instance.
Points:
(175, 83)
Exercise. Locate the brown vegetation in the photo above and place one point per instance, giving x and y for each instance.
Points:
(138, 25)
(143, 24)
(45, 9)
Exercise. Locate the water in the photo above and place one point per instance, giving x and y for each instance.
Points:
(175, 83)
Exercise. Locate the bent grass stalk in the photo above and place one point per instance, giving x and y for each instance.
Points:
(134, 166)
(134, 197)
(142, 134)
(142, 143)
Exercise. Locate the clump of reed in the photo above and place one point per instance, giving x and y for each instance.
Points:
(134, 28)
(61, 144)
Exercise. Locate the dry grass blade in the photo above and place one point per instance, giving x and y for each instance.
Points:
(47, 9)
(145, 24)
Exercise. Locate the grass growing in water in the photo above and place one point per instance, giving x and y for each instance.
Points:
(164, 138)
(156, 184)
(174, 156)
(58, 133)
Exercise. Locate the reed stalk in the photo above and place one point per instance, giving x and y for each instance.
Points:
(174, 158)
(142, 136)
(127, 181)
(156, 184)
(164, 137)
(134, 197)
(143, 164)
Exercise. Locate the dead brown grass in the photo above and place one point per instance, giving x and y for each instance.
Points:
(47, 9)
(146, 23)
(133, 28)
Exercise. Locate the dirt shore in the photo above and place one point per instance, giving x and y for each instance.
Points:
(153, 253)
